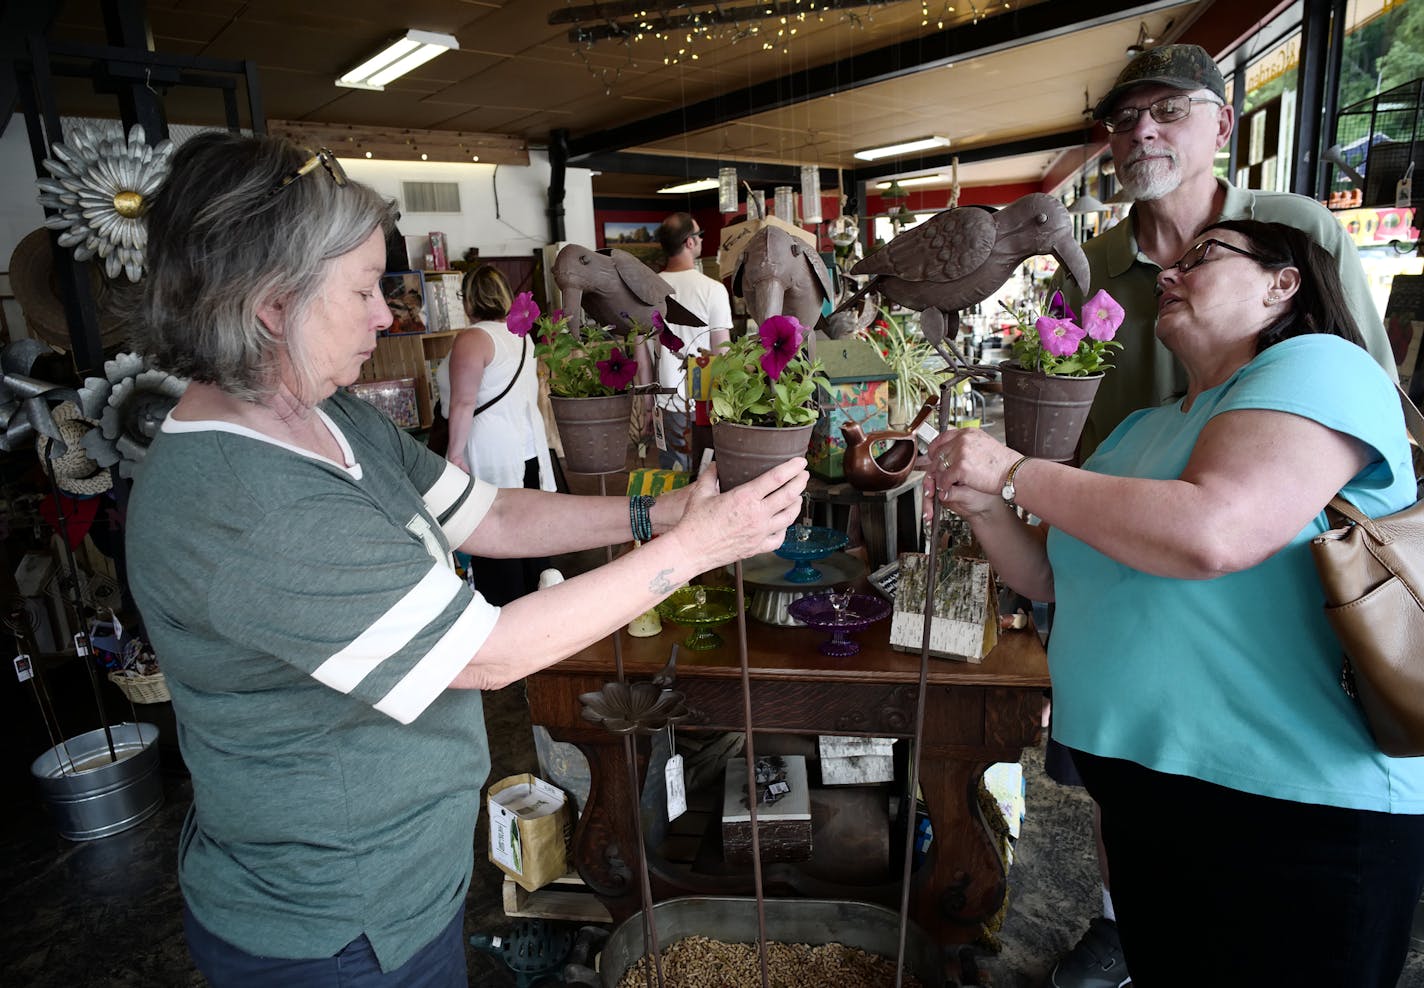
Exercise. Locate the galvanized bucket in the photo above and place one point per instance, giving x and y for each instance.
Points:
(90, 794)
(594, 432)
(745, 452)
(863, 925)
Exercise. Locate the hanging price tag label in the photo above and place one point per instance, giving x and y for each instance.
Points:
(23, 671)
(81, 644)
(676, 787)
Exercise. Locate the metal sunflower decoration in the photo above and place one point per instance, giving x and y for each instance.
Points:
(129, 402)
(100, 188)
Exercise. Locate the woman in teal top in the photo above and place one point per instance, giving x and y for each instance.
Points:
(1194, 674)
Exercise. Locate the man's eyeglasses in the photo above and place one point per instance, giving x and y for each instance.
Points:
(694, 233)
(1200, 253)
(1168, 109)
(324, 157)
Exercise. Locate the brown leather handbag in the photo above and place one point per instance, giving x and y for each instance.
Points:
(1372, 572)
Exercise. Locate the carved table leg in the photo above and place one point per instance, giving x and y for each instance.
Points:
(962, 881)
(605, 849)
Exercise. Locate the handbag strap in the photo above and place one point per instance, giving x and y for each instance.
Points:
(1414, 423)
(522, 352)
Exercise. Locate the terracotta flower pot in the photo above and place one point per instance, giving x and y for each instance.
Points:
(748, 451)
(1044, 413)
(594, 432)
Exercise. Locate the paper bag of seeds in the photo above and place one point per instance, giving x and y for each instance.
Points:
(529, 830)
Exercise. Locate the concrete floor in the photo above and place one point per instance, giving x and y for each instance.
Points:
(106, 913)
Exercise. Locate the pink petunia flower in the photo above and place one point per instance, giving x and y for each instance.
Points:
(618, 371)
(1059, 337)
(522, 313)
(1102, 316)
(1058, 307)
(781, 336)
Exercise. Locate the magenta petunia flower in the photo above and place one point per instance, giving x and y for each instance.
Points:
(1060, 337)
(522, 313)
(618, 371)
(666, 337)
(1058, 307)
(781, 336)
(1102, 316)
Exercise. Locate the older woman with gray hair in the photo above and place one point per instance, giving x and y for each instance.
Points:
(289, 549)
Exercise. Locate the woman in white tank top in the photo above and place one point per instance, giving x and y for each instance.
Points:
(489, 390)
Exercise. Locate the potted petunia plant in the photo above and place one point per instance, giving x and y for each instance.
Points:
(1058, 362)
(591, 374)
(763, 396)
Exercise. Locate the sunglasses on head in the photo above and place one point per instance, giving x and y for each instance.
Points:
(326, 158)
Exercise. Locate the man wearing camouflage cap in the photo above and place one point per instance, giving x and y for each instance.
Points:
(1167, 116)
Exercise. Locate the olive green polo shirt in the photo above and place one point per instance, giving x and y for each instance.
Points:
(1145, 374)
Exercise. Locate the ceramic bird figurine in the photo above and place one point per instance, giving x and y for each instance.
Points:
(781, 275)
(963, 255)
(868, 472)
(615, 289)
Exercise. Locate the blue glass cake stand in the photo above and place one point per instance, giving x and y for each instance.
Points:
(806, 543)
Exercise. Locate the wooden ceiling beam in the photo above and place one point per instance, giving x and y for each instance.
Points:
(406, 143)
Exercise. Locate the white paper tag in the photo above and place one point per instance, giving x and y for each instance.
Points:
(659, 433)
(118, 626)
(1404, 189)
(676, 788)
(23, 671)
(504, 838)
(81, 644)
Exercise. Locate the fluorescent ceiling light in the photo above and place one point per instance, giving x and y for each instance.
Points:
(917, 180)
(893, 150)
(696, 185)
(398, 58)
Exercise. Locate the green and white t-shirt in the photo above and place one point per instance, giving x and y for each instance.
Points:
(309, 620)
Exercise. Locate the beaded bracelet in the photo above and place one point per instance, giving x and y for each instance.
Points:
(640, 516)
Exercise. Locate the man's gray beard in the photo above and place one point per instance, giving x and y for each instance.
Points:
(1158, 179)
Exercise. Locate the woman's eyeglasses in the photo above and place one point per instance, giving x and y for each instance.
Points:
(324, 157)
(1168, 109)
(1200, 253)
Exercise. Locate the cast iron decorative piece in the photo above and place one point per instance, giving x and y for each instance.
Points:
(633, 708)
(963, 255)
(26, 403)
(615, 289)
(780, 275)
(130, 402)
(99, 191)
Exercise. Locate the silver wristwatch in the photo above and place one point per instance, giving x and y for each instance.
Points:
(1007, 491)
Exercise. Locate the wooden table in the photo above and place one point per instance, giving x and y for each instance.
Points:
(975, 715)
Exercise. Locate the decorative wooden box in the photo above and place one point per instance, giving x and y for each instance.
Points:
(784, 826)
(965, 624)
(858, 393)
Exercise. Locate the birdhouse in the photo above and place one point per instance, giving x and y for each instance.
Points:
(858, 393)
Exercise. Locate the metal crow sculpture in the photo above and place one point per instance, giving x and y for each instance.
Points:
(961, 256)
(779, 275)
(615, 289)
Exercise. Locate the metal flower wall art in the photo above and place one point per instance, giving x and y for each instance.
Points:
(26, 403)
(130, 403)
(99, 189)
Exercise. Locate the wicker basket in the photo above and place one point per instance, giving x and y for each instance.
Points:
(142, 689)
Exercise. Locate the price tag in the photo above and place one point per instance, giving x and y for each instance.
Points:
(659, 432)
(676, 788)
(1404, 189)
(118, 626)
(81, 644)
(22, 668)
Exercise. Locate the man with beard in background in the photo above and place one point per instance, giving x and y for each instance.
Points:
(1166, 117)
